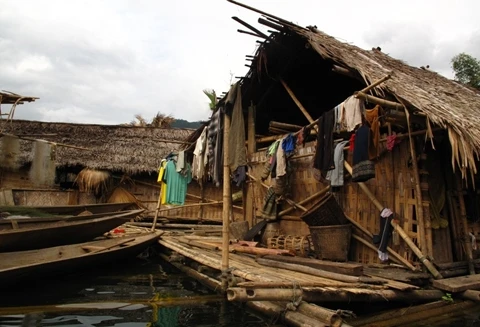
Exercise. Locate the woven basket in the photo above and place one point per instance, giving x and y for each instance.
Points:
(331, 242)
(299, 244)
(326, 212)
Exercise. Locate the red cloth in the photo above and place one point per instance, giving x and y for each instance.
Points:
(391, 141)
(351, 143)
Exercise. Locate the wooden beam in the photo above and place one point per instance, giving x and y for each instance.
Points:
(255, 30)
(376, 83)
(382, 102)
(297, 102)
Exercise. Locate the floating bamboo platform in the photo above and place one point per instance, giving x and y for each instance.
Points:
(310, 292)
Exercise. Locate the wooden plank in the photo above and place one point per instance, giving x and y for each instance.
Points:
(458, 284)
(346, 268)
(397, 274)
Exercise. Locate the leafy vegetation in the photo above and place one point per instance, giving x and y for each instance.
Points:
(467, 70)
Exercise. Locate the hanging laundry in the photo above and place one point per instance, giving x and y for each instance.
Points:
(351, 143)
(372, 117)
(236, 141)
(199, 153)
(176, 183)
(392, 140)
(338, 110)
(180, 164)
(288, 144)
(215, 146)
(351, 115)
(270, 206)
(281, 161)
(239, 175)
(323, 159)
(363, 168)
(161, 180)
(335, 176)
(386, 229)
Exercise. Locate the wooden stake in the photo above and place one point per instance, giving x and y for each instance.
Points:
(397, 227)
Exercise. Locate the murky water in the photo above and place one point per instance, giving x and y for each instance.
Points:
(134, 294)
(139, 293)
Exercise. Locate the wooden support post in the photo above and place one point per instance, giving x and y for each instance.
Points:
(382, 102)
(159, 204)
(399, 229)
(248, 194)
(466, 237)
(297, 102)
(425, 244)
(227, 199)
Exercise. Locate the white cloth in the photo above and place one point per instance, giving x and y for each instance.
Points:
(281, 161)
(386, 212)
(180, 164)
(351, 115)
(383, 256)
(335, 176)
(338, 111)
(199, 155)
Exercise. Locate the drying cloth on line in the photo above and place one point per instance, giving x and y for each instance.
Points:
(281, 162)
(335, 176)
(363, 168)
(288, 144)
(215, 146)
(180, 165)
(236, 140)
(372, 117)
(323, 159)
(270, 207)
(199, 154)
(353, 109)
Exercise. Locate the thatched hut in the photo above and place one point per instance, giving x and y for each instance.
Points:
(89, 160)
(429, 179)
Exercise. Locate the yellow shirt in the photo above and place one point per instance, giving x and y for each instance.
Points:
(163, 187)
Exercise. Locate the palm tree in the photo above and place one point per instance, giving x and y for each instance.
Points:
(210, 93)
(159, 120)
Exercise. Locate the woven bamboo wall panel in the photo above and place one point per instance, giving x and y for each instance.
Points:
(49, 198)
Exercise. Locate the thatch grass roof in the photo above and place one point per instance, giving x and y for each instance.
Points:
(7, 97)
(112, 147)
(444, 101)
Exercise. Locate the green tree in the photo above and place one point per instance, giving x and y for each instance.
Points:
(467, 70)
(213, 98)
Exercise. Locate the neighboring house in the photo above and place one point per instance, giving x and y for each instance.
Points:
(127, 156)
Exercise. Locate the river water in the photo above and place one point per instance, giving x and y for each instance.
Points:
(137, 293)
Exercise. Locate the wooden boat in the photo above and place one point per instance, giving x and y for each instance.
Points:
(78, 208)
(23, 265)
(22, 235)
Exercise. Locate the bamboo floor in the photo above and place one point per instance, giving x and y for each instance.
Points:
(313, 297)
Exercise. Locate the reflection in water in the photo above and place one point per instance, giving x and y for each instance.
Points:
(140, 293)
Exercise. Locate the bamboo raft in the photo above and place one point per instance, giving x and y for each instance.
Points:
(309, 291)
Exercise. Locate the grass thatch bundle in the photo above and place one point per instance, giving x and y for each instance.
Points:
(9, 152)
(91, 180)
(121, 195)
(42, 171)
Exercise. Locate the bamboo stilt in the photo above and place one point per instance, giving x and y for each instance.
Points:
(290, 317)
(397, 227)
(466, 237)
(159, 204)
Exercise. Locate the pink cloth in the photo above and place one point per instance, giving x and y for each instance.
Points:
(391, 141)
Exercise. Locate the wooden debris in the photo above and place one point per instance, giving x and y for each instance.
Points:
(458, 284)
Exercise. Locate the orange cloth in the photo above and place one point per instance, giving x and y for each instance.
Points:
(372, 117)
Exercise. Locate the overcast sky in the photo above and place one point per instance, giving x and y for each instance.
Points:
(103, 61)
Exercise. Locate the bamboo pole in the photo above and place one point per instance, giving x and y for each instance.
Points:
(466, 237)
(45, 141)
(157, 209)
(292, 318)
(249, 213)
(242, 294)
(376, 83)
(227, 200)
(297, 102)
(425, 245)
(306, 200)
(382, 102)
(319, 272)
(209, 200)
(397, 227)
(471, 295)
(191, 205)
(192, 273)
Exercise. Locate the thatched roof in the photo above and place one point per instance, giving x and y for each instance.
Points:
(111, 147)
(7, 97)
(446, 102)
